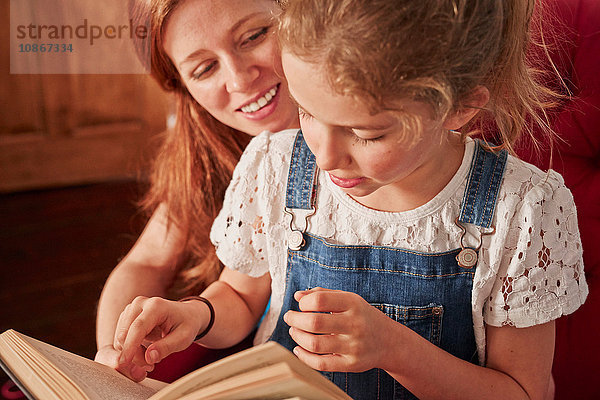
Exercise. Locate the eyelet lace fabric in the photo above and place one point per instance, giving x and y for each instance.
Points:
(530, 271)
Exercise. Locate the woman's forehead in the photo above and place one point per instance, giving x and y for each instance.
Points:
(207, 23)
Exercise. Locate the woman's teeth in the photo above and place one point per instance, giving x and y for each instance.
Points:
(260, 103)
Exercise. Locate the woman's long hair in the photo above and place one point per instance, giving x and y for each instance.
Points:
(196, 159)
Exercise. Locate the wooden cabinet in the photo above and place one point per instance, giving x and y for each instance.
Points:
(58, 130)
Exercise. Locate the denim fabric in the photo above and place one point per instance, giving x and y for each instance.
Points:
(429, 293)
(301, 176)
(479, 202)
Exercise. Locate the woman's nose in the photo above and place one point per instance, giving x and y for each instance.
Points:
(241, 74)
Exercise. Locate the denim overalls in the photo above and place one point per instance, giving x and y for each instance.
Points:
(429, 293)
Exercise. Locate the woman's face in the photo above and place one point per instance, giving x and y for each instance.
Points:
(228, 57)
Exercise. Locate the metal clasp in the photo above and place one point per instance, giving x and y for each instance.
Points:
(295, 237)
(468, 256)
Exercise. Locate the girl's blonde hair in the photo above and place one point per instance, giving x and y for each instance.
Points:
(436, 51)
(196, 160)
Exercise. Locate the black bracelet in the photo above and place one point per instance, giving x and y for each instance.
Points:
(212, 314)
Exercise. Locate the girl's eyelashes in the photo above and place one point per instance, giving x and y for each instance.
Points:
(357, 139)
(303, 114)
(364, 142)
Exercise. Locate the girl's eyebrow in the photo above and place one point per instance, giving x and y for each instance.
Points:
(356, 127)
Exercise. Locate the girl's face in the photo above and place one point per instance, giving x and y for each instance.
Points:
(365, 154)
(227, 56)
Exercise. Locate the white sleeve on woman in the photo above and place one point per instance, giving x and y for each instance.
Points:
(253, 203)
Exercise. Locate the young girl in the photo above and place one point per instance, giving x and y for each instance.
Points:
(403, 258)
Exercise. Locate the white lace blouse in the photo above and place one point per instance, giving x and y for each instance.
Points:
(530, 271)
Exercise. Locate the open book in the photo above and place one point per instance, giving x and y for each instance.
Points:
(267, 371)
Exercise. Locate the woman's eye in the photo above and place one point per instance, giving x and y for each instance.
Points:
(203, 70)
(256, 36)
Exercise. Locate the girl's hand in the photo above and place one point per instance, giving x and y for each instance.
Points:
(150, 329)
(338, 331)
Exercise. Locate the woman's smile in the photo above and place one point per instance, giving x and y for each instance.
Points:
(262, 106)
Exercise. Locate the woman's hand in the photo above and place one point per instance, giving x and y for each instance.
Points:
(107, 355)
(338, 331)
(150, 329)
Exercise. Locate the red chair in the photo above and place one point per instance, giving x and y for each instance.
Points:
(574, 38)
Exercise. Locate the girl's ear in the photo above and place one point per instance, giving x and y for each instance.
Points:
(474, 102)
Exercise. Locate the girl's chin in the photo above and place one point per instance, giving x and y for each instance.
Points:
(357, 193)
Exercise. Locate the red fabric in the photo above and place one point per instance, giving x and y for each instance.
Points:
(575, 49)
(10, 391)
(179, 364)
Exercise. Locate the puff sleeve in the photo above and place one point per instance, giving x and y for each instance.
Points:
(540, 268)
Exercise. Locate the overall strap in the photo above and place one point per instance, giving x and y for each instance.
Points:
(483, 185)
(301, 176)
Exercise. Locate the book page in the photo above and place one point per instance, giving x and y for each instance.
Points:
(98, 381)
(17, 368)
(247, 360)
(277, 381)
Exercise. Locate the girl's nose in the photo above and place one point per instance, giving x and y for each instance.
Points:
(331, 151)
(241, 74)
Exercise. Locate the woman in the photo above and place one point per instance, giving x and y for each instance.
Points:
(220, 60)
